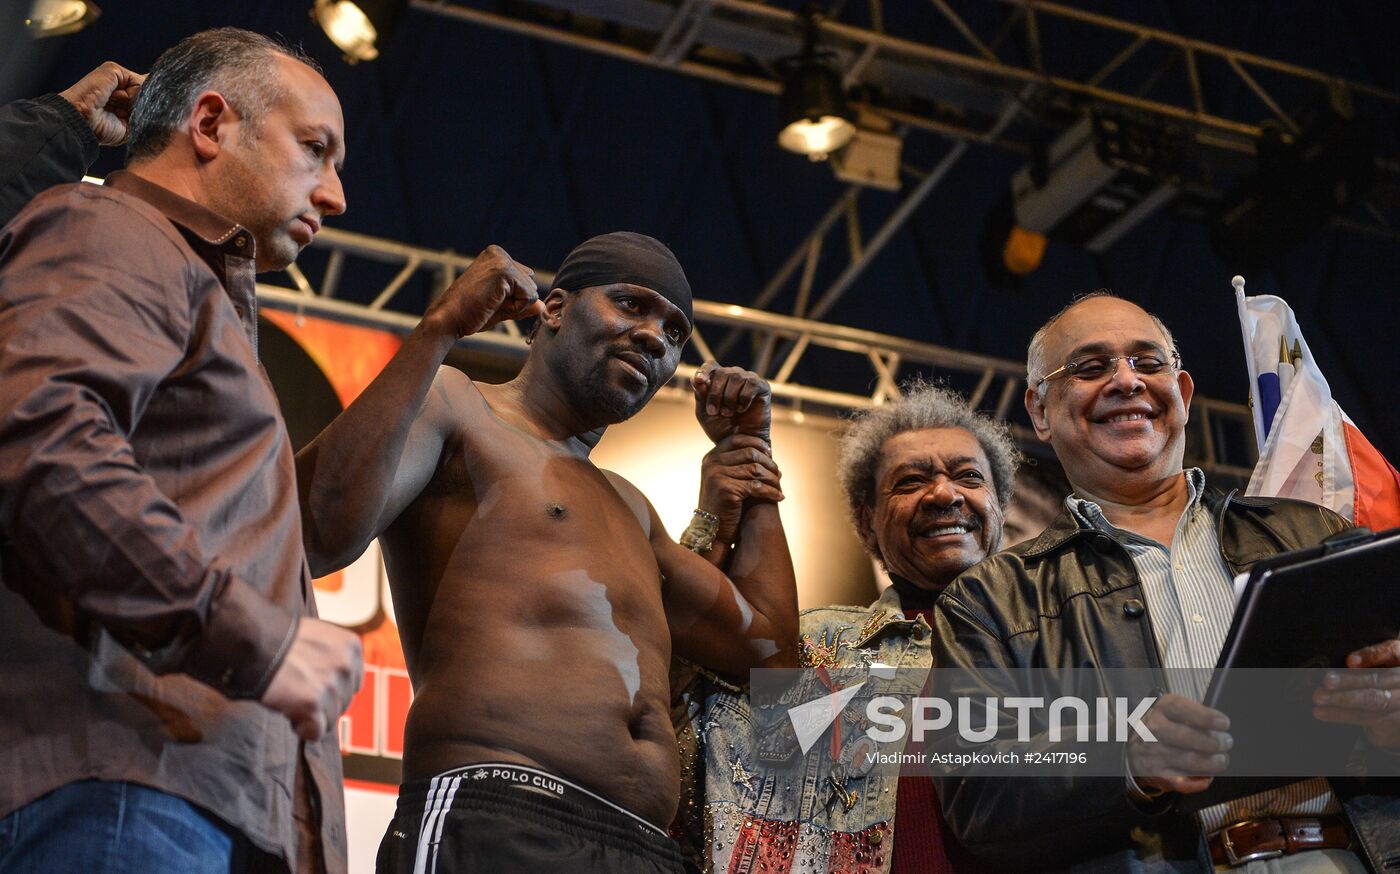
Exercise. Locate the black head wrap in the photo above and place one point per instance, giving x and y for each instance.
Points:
(623, 256)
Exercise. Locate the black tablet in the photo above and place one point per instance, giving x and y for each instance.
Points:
(1300, 614)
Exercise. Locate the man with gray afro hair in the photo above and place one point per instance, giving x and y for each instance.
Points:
(926, 480)
(923, 406)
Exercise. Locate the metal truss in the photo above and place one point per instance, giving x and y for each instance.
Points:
(969, 92)
(732, 41)
(1219, 441)
(808, 253)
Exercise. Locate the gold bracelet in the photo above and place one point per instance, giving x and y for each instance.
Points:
(699, 535)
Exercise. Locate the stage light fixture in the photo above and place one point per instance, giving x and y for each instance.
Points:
(816, 121)
(1098, 180)
(59, 17)
(872, 157)
(359, 28)
(1023, 251)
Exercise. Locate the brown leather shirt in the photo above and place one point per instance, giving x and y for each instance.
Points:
(151, 557)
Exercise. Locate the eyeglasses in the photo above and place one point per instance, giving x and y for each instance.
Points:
(1092, 368)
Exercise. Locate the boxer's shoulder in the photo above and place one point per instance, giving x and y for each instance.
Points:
(632, 497)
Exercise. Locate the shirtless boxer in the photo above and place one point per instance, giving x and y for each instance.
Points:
(539, 598)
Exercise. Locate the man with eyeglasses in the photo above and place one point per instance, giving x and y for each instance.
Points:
(1136, 572)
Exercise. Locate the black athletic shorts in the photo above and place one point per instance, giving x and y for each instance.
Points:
(503, 819)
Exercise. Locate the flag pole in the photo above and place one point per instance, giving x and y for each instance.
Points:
(1254, 405)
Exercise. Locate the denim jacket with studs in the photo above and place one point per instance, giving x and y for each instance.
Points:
(766, 805)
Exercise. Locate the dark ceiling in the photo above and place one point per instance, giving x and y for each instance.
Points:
(461, 135)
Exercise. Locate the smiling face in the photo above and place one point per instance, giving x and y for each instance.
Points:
(935, 511)
(614, 346)
(1125, 428)
(281, 181)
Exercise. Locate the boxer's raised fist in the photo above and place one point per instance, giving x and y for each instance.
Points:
(732, 400)
(104, 98)
(493, 289)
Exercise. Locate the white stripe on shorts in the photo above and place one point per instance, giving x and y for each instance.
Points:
(440, 792)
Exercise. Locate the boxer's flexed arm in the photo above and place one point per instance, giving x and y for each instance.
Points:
(734, 408)
(727, 623)
(746, 615)
(367, 465)
(744, 619)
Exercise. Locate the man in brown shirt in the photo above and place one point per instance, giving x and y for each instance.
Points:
(167, 697)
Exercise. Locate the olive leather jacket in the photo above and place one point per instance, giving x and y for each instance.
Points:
(1063, 600)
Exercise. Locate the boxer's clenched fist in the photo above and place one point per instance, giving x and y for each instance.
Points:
(732, 400)
(493, 289)
(104, 98)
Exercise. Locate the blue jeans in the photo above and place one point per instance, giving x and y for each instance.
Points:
(100, 827)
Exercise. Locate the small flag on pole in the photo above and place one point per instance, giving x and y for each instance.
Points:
(1308, 448)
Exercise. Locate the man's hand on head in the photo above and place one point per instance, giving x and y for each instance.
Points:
(104, 97)
(318, 676)
(495, 288)
(737, 470)
(1366, 693)
(731, 400)
(1192, 746)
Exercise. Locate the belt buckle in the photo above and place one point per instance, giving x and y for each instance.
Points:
(1235, 859)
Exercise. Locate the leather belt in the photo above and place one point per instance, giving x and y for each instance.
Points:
(1253, 839)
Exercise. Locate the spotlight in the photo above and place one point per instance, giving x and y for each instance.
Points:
(1023, 251)
(815, 119)
(358, 27)
(1098, 180)
(59, 17)
(1007, 251)
(816, 137)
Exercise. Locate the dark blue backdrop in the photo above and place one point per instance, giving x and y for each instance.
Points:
(460, 136)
